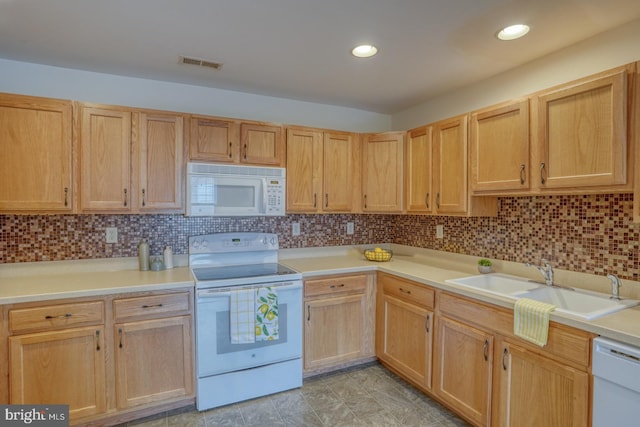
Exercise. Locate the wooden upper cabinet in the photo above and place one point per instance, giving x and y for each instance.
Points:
(304, 170)
(105, 160)
(450, 165)
(220, 140)
(261, 144)
(36, 154)
(382, 172)
(499, 148)
(161, 184)
(214, 140)
(580, 131)
(419, 170)
(320, 170)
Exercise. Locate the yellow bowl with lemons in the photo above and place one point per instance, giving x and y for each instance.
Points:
(378, 254)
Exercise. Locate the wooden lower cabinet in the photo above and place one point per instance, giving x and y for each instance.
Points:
(525, 380)
(464, 360)
(111, 359)
(153, 361)
(60, 367)
(338, 323)
(404, 328)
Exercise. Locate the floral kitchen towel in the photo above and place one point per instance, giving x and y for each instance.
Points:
(242, 316)
(266, 314)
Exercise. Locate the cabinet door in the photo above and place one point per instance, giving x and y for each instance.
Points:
(153, 360)
(304, 170)
(450, 159)
(581, 133)
(419, 170)
(333, 330)
(105, 160)
(464, 361)
(382, 172)
(338, 172)
(406, 339)
(261, 144)
(214, 140)
(161, 163)
(536, 391)
(499, 145)
(35, 164)
(60, 367)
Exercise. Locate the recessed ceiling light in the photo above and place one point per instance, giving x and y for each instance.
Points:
(513, 32)
(364, 50)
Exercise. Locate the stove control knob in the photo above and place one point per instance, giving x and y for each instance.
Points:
(264, 241)
(205, 243)
(196, 244)
(273, 241)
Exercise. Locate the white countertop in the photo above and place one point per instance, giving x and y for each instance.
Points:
(41, 281)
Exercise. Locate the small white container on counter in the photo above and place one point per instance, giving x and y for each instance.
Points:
(167, 254)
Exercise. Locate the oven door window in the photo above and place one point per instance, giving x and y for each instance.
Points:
(215, 352)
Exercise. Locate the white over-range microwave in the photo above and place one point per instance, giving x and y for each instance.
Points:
(225, 190)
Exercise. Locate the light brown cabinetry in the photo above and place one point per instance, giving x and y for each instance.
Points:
(464, 367)
(339, 318)
(382, 172)
(419, 170)
(528, 380)
(153, 335)
(499, 148)
(501, 386)
(130, 161)
(36, 161)
(404, 329)
(321, 170)
(112, 359)
(57, 355)
(223, 140)
(450, 165)
(580, 132)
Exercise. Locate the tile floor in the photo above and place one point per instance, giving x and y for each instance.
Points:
(368, 395)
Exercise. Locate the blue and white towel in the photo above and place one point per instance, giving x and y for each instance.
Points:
(266, 326)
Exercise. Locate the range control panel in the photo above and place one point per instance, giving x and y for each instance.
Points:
(233, 242)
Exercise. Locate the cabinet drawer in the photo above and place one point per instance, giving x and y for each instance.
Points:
(151, 305)
(408, 291)
(333, 285)
(56, 316)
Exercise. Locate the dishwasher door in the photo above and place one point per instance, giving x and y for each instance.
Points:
(616, 384)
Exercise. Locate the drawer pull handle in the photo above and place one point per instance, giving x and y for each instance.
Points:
(484, 350)
(341, 285)
(97, 340)
(504, 355)
(426, 323)
(120, 337)
(406, 292)
(64, 316)
(152, 305)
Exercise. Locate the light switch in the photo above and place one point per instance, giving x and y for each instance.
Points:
(111, 234)
(349, 228)
(295, 228)
(439, 231)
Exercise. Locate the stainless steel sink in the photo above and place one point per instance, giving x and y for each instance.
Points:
(584, 304)
(495, 283)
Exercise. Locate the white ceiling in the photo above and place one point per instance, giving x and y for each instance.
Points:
(300, 49)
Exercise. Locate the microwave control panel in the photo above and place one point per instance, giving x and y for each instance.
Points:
(275, 196)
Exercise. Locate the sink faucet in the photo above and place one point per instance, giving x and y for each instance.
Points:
(615, 286)
(545, 269)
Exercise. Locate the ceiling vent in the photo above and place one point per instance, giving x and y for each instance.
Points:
(199, 62)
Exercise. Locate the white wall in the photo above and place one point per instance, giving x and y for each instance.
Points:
(55, 82)
(607, 50)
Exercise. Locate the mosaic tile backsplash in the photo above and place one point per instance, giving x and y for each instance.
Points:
(590, 233)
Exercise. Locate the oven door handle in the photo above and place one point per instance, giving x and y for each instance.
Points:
(212, 293)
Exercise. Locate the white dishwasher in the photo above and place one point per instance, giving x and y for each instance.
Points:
(616, 384)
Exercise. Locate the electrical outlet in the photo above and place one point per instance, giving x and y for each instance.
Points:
(439, 231)
(111, 233)
(295, 228)
(349, 228)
